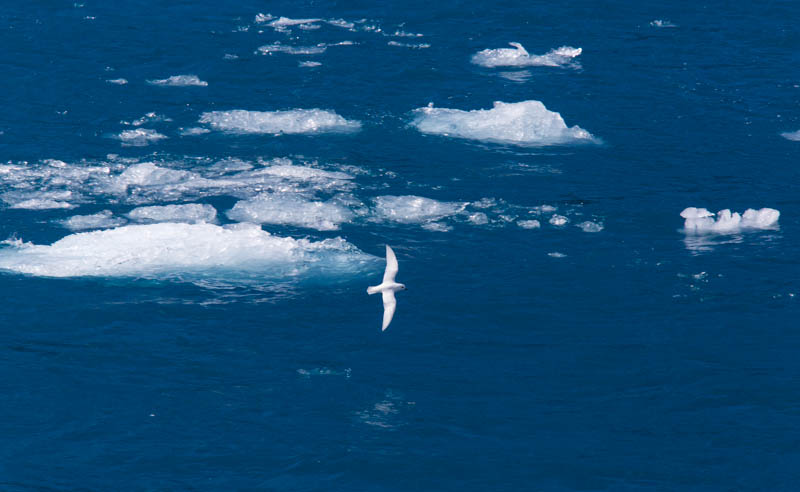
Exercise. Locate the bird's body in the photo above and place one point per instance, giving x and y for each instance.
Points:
(388, 287)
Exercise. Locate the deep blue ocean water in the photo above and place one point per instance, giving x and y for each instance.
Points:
(638, 357)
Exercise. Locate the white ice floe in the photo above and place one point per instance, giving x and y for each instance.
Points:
(519, 57)
(558, 220)
(282, 23)
(194, 131)
(589, 226)
(100, 220)
(308, 64)
(793, 136)
(413, 46)
(180, 250)
(139, 137)
(412, 209)
(295, 121)
(529, 224)
(192, 213)
(180, 81)
(700, 220)
(523, 123)
(117, 81)
(662, 23)
(291, 209)
(261, 18)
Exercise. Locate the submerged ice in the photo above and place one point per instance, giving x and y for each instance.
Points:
(522, 123)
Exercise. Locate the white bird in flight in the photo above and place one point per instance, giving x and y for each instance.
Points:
(388, 287)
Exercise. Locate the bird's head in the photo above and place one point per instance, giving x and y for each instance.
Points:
(403, 287)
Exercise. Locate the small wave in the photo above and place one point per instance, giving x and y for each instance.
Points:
(180, 81)
(295, 121)
(519, 57)
(522, 123)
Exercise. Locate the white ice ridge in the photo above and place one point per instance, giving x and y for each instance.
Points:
(291, 209)
(700, 220)
(294, 121)
(410, 209)
(192, 213)
(139, 137)
(180, 81)
(170, 249)
(100, 220)
(519, 57)
(523, 123)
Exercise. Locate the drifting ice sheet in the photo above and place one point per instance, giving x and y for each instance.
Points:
(519, 57)
(191, 212)
(700, 220)
(278, 208)
(412, 209)
(522, 123)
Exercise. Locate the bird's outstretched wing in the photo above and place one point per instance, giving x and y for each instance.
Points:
(391, 266)
(389, 305)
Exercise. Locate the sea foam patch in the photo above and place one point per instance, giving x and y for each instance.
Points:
(518, 56)
(170, 249)
(295, 121)
(700, 220)
(523, 123)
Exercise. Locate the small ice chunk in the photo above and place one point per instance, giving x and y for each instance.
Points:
(292, 50)
(261, 18)
(793, 136)
(556, 254)
(191, 213)
(117, 81)
(290, 209)
(410, 209)
(519, 57)
(42, 204)
(100, 220)
(589, 226)
(309, 64)
(700, 220)
(523, 123)
(194, 131)
(662, 23)
(180, 81)
(479, 218)
(139, 137)
(413, 46)
(295, 121)
(529, 224)
(558, 220)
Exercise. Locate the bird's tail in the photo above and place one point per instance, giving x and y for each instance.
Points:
(372, 290)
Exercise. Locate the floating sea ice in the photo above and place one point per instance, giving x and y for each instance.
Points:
(41, 204)
(194, 131)
(277, 122)
(558, 220)
(117, 81)
(793, 136)
(290, 209)
(242, 251)
(519, 57)
(662, 23)
(529, 224)
(413, 46)
(309, 64)
(589, 226)
(180, 81)
(261, 18)
(292, 50)
(139, 137)
(100, 220)
(191, 213)
(283, 22)
(700, 220)
(412, 209)
(478, 218)
(522, 123)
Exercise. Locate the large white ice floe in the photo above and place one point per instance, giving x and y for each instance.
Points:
(291, 209)
(180, 81)
(294, 121)
(700, 220)
(410, 209)
(519, 57)
(170, 249)
(522, 123)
